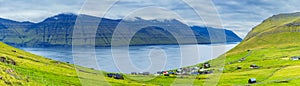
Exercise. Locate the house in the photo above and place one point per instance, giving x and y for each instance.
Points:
(295, 58)
(201, 71)
(172, 72)
(179, 71)
(252, 80)
(166, 73)
(194, 73)
(133, 73)
(195, 69)
(186, 69)
(110, 75)
(242, 59)
(239, 67)
(118, 76)
(146, 73)
(253, 66)
(206, 65)
(159, 72)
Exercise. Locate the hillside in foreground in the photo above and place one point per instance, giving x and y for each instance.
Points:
(271, 46)
(18, 67)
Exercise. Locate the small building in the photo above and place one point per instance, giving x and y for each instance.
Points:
(170, 72)
(166, 73)
(253, 66)
(242, 59)
(159, 72)
(118, 76)
(194, 73)
(110, 75)
(179, 71)
(295, 58)
(252, 80)
(195, 68)
(201, 71)
(146, 73)
(133, 73)
(239, 67)
(206, 65)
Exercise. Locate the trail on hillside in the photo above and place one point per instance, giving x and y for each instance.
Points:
(243, 58)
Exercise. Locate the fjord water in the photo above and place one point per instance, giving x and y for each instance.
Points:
(139, 55)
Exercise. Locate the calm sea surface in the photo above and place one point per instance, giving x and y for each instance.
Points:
(142, 56)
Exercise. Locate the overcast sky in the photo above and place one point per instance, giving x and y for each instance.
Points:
(236, 15)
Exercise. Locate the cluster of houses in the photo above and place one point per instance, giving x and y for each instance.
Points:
(204, 69)
(188, 71)
(181, 71)
(115, 75)
(140, 73)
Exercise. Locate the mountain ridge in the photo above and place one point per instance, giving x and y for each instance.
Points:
(57, 31)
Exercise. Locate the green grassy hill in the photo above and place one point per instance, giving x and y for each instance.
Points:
(18, 67)
(269, 45)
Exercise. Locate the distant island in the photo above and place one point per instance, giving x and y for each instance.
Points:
(58, 30)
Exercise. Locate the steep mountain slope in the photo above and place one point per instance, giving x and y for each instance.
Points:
(270, 45)
(57, 31)
(203, 35)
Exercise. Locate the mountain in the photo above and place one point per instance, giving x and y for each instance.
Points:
(58, 30)
(273, 46)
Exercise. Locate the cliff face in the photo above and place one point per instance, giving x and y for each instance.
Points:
(58, 30)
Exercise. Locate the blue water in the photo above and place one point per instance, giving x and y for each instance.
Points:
(143, 57)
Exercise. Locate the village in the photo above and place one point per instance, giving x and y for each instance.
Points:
(186, 71)
(205, 68)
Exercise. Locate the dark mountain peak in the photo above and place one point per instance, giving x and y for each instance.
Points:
(61, 19)
(63, 16)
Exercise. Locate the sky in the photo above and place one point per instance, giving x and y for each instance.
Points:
(239, 16)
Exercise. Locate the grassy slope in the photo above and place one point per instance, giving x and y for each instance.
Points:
(272, 43)
(33, 70)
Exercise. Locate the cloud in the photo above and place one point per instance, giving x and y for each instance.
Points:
(36, 10)
(242, 16)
